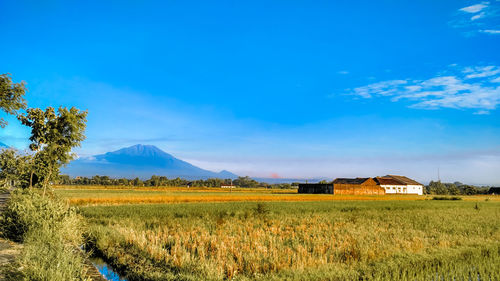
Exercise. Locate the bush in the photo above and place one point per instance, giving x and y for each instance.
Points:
(453, 198)
(50, 232)
(27, 211)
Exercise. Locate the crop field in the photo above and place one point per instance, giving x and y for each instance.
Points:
(340, 238)
(99, 195)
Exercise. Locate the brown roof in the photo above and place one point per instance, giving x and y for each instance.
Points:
(404, 180)
(350, 181)
(388, 181)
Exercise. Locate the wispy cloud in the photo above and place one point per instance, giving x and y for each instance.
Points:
(481, 71)
(466, 88)
(490, 31)
(478, 18)
(475, 8)
(343, 72)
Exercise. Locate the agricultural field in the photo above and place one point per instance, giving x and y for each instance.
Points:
(99, 195)
(323, 237)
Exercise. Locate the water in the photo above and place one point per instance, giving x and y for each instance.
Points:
(106, 270)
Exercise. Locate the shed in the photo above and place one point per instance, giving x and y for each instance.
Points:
(316, 188)
(494, 191)
(357, 186)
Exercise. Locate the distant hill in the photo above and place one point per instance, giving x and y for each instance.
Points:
(141, 161)
(3, 145)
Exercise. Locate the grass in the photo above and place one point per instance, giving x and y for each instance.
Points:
(50, 232)
(328, 240)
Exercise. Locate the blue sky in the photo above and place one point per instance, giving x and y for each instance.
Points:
(294, 88)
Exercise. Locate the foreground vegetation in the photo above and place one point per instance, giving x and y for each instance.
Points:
(384, 240)
(50, 232)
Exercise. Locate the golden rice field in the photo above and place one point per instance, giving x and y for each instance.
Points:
(262, 234)
(98, 195)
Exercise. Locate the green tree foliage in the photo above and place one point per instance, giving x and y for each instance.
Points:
(157, 181)
(11, 96)
(14, 168)
(457, 188)
(53, 135)
(245, 182)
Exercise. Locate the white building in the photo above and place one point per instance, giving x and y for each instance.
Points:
(400, 185)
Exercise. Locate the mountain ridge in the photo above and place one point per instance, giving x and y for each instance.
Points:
(141, 161)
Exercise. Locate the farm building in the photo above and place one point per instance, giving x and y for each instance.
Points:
(494, 191)
(315, 188)
(357, 186)
(393, 184)
(390, 184)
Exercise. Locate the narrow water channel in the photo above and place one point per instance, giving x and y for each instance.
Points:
(106, 270)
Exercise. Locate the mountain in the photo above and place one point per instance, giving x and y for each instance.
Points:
(141, 161)
(3, 145)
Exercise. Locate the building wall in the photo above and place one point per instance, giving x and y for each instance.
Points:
(367, 188)
(416, 189)
(316, 188)
(403, 189)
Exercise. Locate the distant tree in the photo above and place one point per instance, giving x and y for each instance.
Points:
(64, 179)
(245, 182)
(14, 168)
(436, 187)
(453, 189)
(469, 190)
(11, 96)
(137, 182)
(53, 135)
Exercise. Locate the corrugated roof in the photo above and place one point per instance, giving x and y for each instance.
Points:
(404, 180)
(388, 181)
(350, 181)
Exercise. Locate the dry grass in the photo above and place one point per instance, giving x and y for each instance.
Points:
(113, 197)
(221, 241)
(99, 195)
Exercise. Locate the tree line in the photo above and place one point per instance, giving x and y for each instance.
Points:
(433, 188)
(456, 188)
(157, 181)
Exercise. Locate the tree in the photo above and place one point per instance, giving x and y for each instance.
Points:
(11, 96)
(469, 190)
(53, 135)
(245, 182)
(14, 168)
(436, 187)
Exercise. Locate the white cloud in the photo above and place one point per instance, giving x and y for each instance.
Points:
(482, 112)
(475, 8)
(457, 91)
(490, 31)
(482, 71)
(344, 72)
(478, 16)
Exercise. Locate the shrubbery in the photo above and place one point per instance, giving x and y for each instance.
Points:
(50, 232)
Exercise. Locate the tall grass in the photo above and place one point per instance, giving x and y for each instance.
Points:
(50, 232)
(300, 240)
